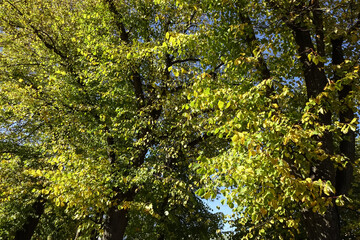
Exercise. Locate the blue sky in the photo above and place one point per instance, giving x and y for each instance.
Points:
(223, 208)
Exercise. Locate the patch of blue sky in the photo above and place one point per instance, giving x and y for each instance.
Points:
(216, 207)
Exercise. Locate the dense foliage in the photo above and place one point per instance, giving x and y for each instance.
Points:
(287, 96)
(115, 113)
(92, 120)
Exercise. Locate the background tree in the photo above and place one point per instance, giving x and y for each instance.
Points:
(286, 96)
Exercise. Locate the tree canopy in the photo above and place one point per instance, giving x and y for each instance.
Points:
(117, 117)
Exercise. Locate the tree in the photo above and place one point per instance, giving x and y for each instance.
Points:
(93, 89)
(114, 113)
(286, 95)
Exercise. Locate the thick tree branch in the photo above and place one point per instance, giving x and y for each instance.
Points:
(189, 24)
(319, 30)
(253, 44)
(124, 35)
(347, 144)
(316, 225)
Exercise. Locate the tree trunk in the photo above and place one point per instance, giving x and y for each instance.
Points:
(117, 219)
(321, 227)
(318, 226)
(115, 224)
(29, 227)
(347, 144)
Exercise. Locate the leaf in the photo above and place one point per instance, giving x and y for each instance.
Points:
(221, 104)
(315, 59)
(200, 192)
(235, 138)
(310, 56)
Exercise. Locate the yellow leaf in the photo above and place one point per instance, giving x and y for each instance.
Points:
(235, 138)
(221, 104)
(242, 140)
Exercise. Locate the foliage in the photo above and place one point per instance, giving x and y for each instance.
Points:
(285, 126)
(195, 219)
(113, 113)
(93, 88)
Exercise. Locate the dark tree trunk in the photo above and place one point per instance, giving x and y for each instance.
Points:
(347, 144)
(115, 224)
(322, 227)
(29, 227)
(117, 219)
(318, 226)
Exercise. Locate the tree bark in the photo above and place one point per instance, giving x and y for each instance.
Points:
(117, 219)
(32, 221)
(347, 144)
(115, 224)
(318, 226)
(321, 227)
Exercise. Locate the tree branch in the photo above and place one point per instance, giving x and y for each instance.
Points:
(124, 35)
(185, 60)
(347, 144)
